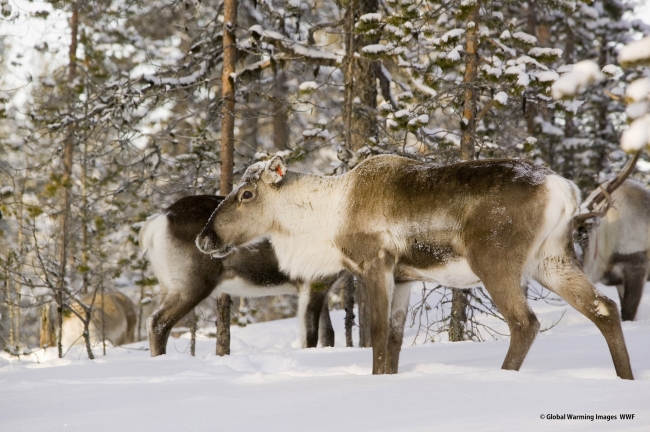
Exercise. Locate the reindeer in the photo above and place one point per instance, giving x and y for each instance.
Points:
(112, 313)
(393, 219)
(616, 239)
(188, 276)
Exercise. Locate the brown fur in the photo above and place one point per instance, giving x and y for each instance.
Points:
(112, 312)
(391, 219)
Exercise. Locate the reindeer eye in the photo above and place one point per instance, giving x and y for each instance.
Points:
(247, 195)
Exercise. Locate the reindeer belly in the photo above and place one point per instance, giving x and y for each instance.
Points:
(454, 274)
(240, 287)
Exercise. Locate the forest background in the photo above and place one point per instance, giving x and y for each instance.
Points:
(112, 110)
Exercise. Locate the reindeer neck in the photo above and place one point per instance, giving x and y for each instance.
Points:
(307, 221)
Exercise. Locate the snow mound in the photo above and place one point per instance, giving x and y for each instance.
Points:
(637, 52)
(582, 74)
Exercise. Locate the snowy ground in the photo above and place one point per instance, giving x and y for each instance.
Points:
(268, 384)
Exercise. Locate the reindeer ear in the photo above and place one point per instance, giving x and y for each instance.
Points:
(274, 171)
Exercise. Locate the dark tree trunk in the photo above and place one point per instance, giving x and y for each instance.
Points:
(192, 333)
(223, 324)
(459, 302)
(227, 150)
(349, 309)
(360, 119)
(458, 321)
(280, 126)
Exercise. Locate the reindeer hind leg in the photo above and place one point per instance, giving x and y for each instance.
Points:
(563, 276)
(175, 305)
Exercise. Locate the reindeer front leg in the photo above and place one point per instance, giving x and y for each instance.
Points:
(379, 281)
(312, 304)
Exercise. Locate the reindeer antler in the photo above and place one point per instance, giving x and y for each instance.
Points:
(606, 192)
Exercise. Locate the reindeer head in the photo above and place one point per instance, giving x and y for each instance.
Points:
(246, 214)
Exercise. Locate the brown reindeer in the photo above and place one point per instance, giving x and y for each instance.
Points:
(188, 276)
(112, 313)
(492, 222)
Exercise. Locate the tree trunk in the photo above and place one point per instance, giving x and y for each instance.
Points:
(103, 309)
(459, 301)
(192, 333)
(531, 107)
(468, 122)
(86, 335)
(66, 181)
(360, 119)
(47, 329)
(348, 288)
(223, 325)
(227, 150)
(280, 126)
(10, 306)
(84, 220)
(458, 321)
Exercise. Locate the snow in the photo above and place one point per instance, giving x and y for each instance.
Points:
(541, 52)
(377, 48)
(316, 133)
(582, 74)
(293, 46)
(635, 52)
(525, 38)
(270, 384)
(405, 96)
(638, 90)
(523, 80)
(419, 120)
(308, 86)
(547, 76)
(636, 109)
(452, 35)
(611, 70)
(636, 136)
(501, 98)
(402, 113)
(369, 17)
(453, 55)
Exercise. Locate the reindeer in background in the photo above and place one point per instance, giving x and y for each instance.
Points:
(112, 315)
(614, 234)
(188, 276)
